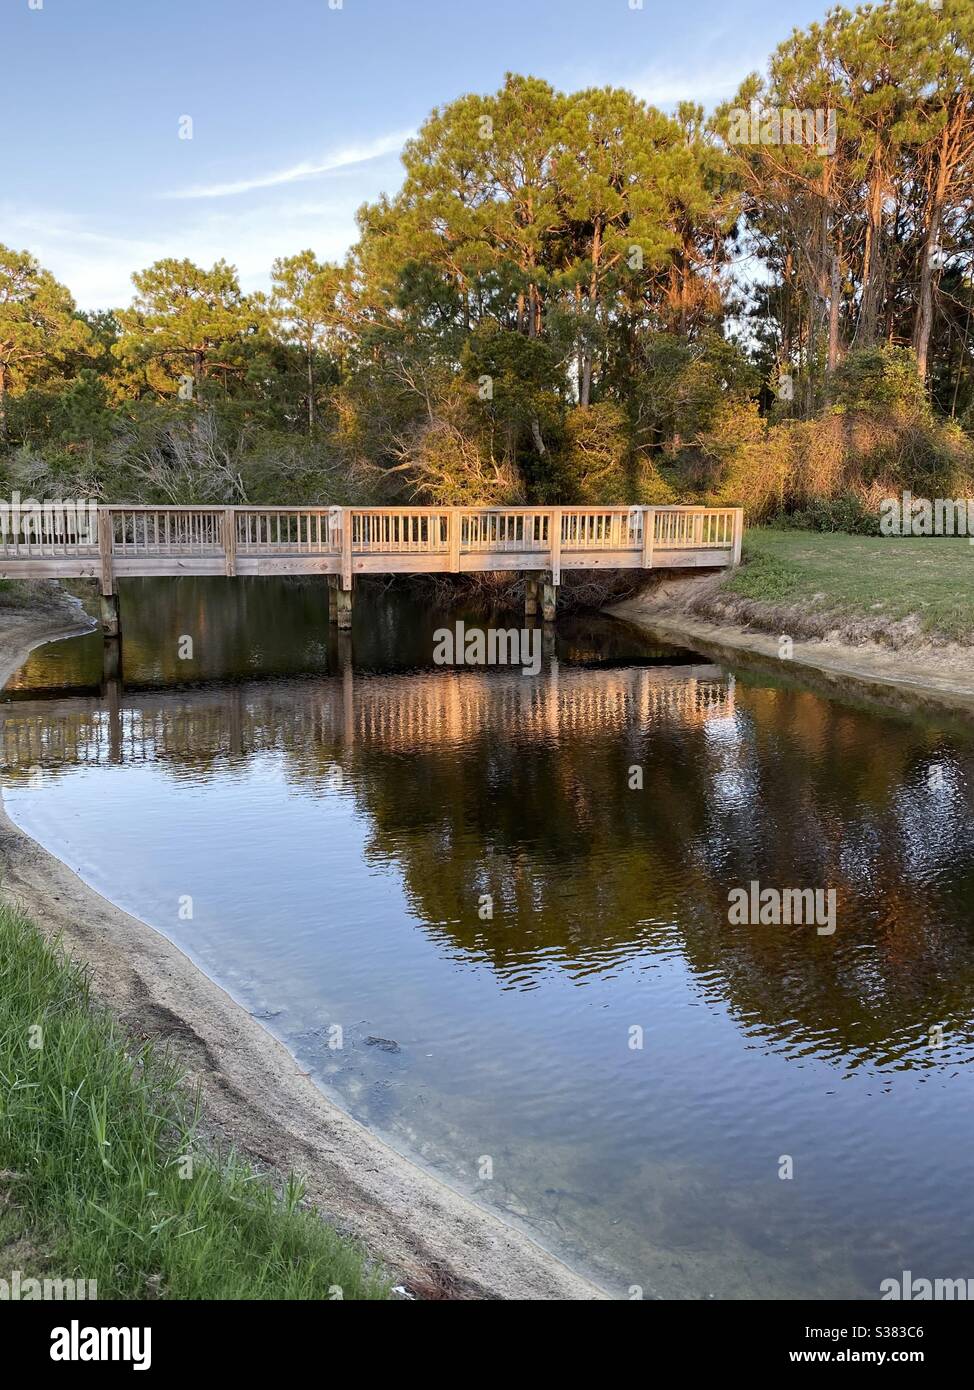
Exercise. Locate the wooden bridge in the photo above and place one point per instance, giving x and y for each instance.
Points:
(108, 543)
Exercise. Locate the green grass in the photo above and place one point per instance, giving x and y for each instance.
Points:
(92, 1178)
(877, 577)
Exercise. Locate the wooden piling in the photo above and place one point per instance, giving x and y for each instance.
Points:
(343, 601)
(111, 622)
(549, 600)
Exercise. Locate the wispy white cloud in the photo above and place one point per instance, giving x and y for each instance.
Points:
(705, 82)
(96, 261)
(96, 264)
(297, 173)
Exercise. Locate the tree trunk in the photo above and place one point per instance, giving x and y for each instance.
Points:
(585, 386)
(928, 268)
(924, 316)
(683, 272)
(787, 342)
(311, 392)
(3, 401)
(811, 355)
(835, 300)
(872, 266)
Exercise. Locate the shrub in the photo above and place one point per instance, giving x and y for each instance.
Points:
(846, 512)
(598, 453)
(738, 460)
(881, 379)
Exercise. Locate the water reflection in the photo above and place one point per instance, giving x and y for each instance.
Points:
(342, 832)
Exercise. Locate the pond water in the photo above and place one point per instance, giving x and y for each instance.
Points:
(454, 868)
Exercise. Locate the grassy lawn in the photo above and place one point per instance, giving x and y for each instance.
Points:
(94, 1182)
(876, 577)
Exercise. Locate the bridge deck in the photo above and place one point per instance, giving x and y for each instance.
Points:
(116, 542)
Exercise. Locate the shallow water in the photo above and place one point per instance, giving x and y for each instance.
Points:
(337, 809)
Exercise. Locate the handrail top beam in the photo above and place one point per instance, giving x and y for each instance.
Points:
(216, 507)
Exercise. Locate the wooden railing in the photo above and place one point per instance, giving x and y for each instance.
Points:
(189, 531)
(400, 531)
(120, 541)
(47, 530)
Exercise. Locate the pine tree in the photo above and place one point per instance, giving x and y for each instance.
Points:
(39, 325)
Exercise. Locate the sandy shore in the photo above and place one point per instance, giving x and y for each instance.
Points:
(254, 1094)
(921, 677)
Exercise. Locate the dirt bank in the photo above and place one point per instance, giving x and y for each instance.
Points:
(692, 611)
(26, 622)
(254, 1094)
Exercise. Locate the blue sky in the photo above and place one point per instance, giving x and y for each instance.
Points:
(298, 109)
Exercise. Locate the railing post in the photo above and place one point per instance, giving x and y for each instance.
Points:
(555, 540)
(455, 523)
(230, 541)
(738, 535)
(106, 552)
(346, 550)
(649, 536)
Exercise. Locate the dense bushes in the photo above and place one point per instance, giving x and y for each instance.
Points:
(175, 455)
(878, 439)
(843, 513)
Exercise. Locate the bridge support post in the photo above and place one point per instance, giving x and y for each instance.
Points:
(549, 599)
(343, 601)
(531, 583)
(333, 598)
(111, 662)
(111, 622)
